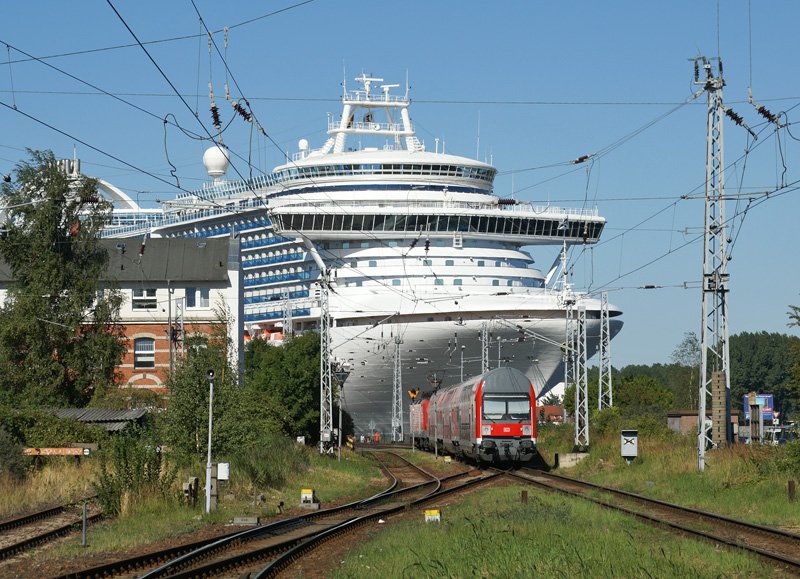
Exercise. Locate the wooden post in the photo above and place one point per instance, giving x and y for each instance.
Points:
(792, 490)
(524, 497)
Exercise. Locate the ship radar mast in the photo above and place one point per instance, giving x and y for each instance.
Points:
(359, 110)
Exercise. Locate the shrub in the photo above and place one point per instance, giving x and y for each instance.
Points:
(132, 468)
(12, 462)
(271, 462)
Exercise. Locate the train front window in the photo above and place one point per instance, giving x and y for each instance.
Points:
(506, 407)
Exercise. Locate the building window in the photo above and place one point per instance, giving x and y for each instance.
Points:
(144, 353)
(197, 297)
(144, 299)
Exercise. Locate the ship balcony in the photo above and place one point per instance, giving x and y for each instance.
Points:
(295, 256)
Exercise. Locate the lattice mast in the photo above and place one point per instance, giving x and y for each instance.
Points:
(581, 385)
(714, 337)
(605, 392)
(397, 394)
(484, 347)
(325, 367)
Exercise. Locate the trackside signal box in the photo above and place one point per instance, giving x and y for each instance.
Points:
(433, 516)
(308, 499)
(629, 445)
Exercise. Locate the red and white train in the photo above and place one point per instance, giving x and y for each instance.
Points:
(490, 418)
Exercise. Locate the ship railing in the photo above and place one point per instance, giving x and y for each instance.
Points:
(396, 128)
(360, 96)
(538, 210)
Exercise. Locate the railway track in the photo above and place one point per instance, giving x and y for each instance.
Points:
(257, 551)
(775, 545)
(26, 531)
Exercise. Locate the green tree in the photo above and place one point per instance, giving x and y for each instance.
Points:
(686, 356)
(288, 376)
(59, 339)
(241, 417)
(762, 362)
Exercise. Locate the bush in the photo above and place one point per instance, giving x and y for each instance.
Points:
(132, 468)
(271, 462)
(12, 461)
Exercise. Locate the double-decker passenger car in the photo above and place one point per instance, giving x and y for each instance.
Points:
(489, 418)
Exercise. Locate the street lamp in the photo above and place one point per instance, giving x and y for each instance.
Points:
(462, 363)
(210, 376)
(340, 373)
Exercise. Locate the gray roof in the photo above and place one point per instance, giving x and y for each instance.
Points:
(174, 259)
(111, 420)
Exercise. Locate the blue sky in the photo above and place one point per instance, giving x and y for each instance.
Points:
(527, 85)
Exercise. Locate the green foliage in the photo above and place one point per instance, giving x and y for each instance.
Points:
(59, 342)
(36, 427)
(240, 416)
(762, 362)
(288, 376)
(272, 461)
(131, 469)
(12, 461)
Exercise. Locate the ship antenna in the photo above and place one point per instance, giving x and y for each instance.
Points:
(407, 87)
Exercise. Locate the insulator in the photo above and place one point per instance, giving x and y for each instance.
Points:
(215, 117)
(696, 71)
(506, 202)
(414, 243)
(580, 159)
(734, 117)
(427, 244)
(243, 113)
(767, 114)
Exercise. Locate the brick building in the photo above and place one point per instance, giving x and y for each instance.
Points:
(176, 287)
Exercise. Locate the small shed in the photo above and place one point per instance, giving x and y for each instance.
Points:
(110, 420)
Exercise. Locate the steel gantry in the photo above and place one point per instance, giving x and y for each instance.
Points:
(605, 393)
(325, 369)
(581, 385)
(397, 393)
(484, 347)
(714, 343)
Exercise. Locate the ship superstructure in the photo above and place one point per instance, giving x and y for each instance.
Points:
(421, 254)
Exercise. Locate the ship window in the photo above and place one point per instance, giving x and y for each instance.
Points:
(426, 262)
(395, 282)
(345, 245)
(448, 262)
(353, 264)
(439, 281)
(480, 263)
(337, 222)
(392, 243)
(327, 221)
(457, 281)
(495, 282)
(365, 244)
(373, 263)
(357, 223)
(497, 264)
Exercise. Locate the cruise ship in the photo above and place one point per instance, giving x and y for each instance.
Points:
(425, 262)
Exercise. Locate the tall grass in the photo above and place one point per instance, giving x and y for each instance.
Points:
(59, 480)
(743, 481)
(492, 534)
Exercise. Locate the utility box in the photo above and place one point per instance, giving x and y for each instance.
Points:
(308, 499)
(629, 445)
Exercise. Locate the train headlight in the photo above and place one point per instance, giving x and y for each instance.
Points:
(486, 430)
(526, 430)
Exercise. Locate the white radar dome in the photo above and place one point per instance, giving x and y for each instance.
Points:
(216, 161)
(302, 144)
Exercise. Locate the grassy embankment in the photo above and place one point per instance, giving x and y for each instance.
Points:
(156, 518)
(492, 534)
